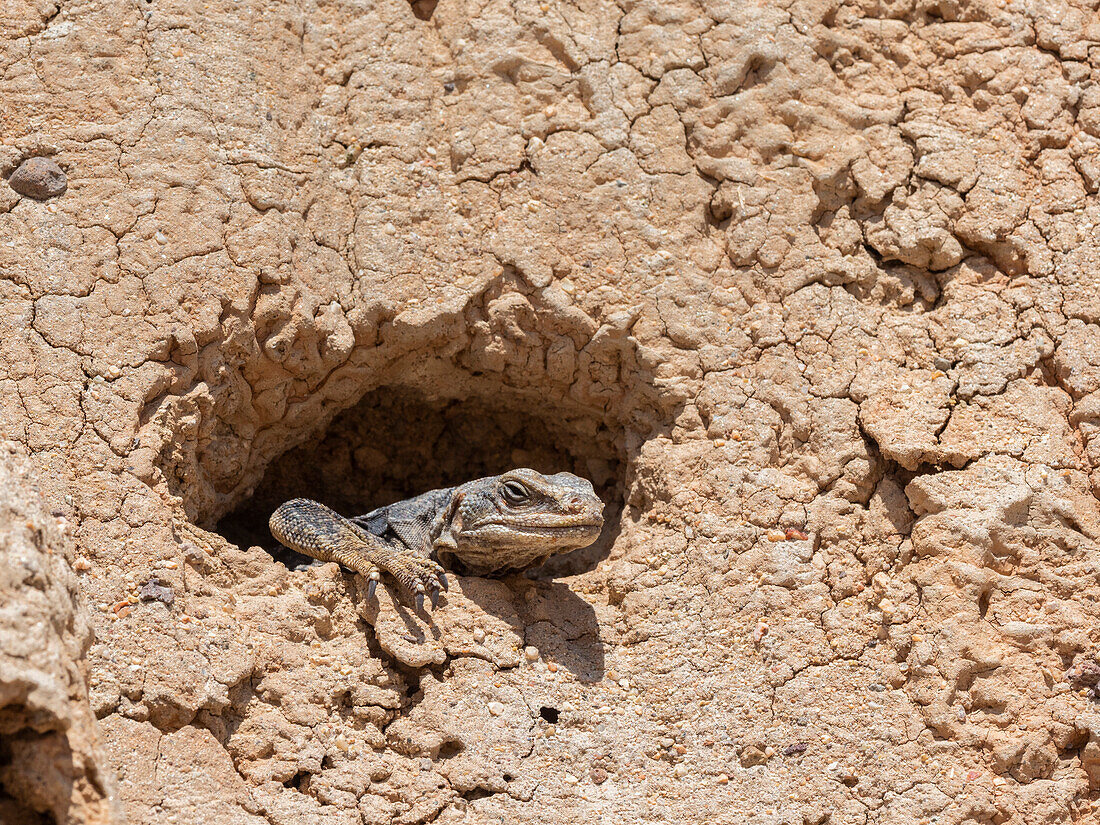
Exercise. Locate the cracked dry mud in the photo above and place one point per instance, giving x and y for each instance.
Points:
(810, 290)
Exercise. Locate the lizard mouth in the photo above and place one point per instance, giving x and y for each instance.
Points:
(542, 529)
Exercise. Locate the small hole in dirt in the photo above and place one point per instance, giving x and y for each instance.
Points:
(1077, 741)
(450, 748)
(983, 604)
(396, 443)
(299, 782)
(549, 714)
(476, 793)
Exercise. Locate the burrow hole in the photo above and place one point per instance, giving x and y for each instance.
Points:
(398, 442)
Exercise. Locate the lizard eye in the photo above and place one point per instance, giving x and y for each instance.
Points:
(515, 493)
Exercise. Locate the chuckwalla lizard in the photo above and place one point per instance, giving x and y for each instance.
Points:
(489, 525)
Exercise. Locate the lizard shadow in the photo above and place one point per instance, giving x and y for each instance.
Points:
(553, 619)
(545, 614)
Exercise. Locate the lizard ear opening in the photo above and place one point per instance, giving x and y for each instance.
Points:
(452, 523)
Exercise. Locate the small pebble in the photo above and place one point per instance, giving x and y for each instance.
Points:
(570, 779)
(723, 779)
(532, 653)
(479, 635)
(760, 632)
(598, 775)
(39, 178)
(496, 708)
(680, 771)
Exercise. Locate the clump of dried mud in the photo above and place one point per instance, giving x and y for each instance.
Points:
(810, 290)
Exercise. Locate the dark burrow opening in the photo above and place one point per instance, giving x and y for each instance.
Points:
(396, 443)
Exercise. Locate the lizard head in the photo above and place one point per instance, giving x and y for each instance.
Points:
(520, 519)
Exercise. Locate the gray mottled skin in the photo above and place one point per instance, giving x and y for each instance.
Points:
(489, 525)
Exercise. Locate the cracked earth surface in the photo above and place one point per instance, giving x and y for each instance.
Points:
(809, 289)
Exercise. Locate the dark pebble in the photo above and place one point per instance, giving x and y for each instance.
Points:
(39, 178)
(1085, 672)
(598, 775)
(795, 749)
(153, 590)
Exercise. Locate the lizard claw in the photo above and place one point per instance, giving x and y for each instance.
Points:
(372, 585)
(419, 588)
(443, 581)
(435, 598)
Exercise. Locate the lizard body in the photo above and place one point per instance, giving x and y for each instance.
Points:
(486, 526)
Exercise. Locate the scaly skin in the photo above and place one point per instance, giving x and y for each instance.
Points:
(486, 526)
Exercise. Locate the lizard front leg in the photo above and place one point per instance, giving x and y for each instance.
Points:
(317, 531)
